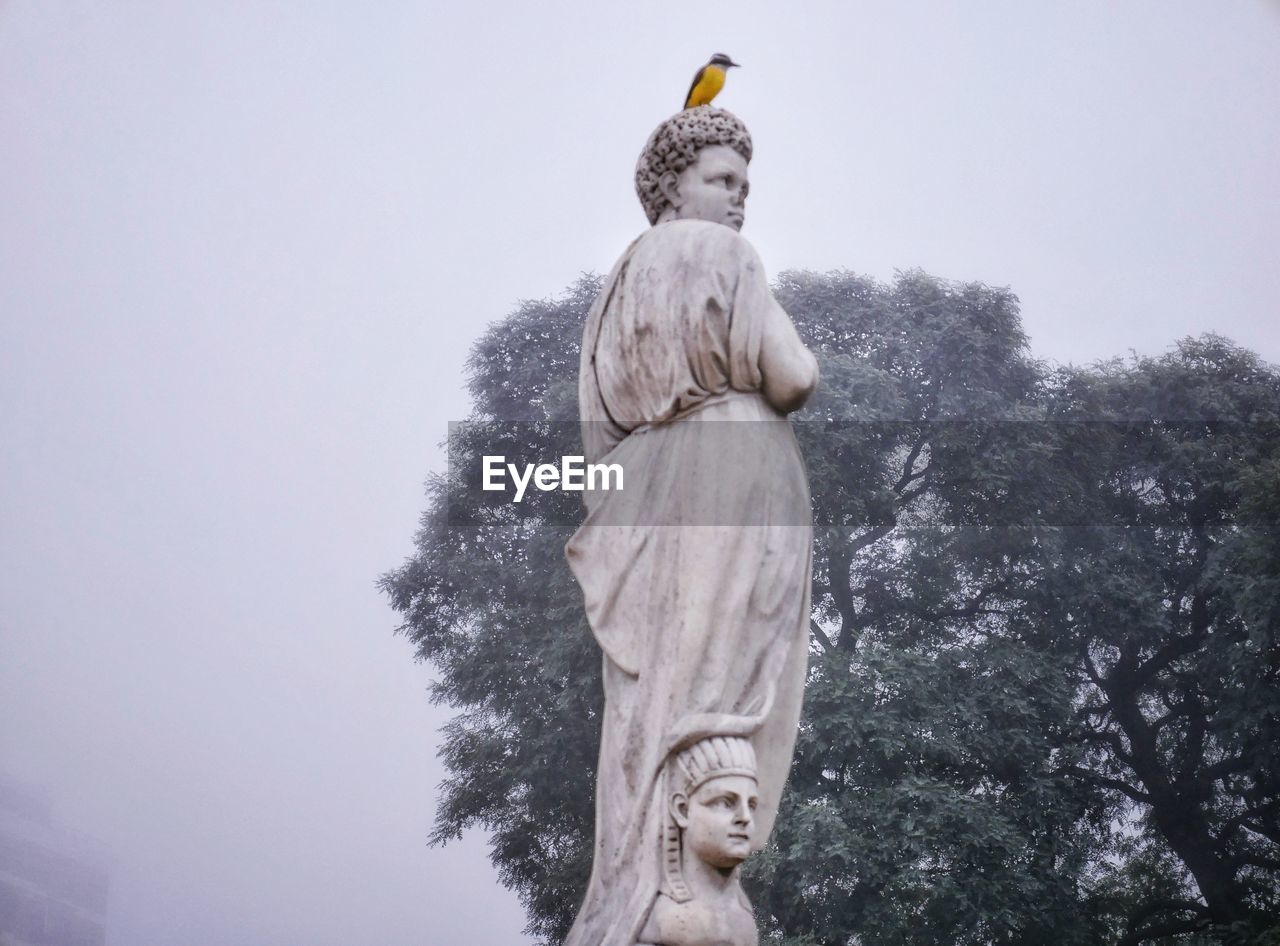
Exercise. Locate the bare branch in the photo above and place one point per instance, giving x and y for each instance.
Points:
(1225, 767)
(1103, 781)
(908, 467)
(1166, 655)
(821, 635)
(1109, 739)
(1256, 860)
(869, 538)
(973, 608)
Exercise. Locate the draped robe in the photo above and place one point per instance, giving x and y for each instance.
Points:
(696, 575)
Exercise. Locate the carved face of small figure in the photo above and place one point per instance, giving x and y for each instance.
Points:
(718, 821)
(713, 188)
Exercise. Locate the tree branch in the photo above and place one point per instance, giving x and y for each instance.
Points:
(868, 538)
(1162, 905)
(1166, 655)
(1256, 860)
(1105, 782)
(1225, 767)
(908, 468)
(971, 609)
(1167, 928)
(821, 635)
(1109, 739)
(1240, 820)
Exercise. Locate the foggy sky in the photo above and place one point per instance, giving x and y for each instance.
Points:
(244, 249)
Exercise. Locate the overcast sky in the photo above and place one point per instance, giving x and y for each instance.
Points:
(244, 248)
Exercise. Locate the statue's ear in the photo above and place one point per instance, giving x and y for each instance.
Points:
(680, 810)
(669, 185)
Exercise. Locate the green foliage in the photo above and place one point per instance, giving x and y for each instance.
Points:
(1044, 696)
(925, 803)
(1169, 604)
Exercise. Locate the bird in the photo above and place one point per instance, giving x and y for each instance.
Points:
(709, 81)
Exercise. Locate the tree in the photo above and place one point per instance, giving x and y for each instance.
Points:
(1169, 600)
(925, 805)
(964, 772)
(999, 554)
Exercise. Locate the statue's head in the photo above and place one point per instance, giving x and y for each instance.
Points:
(713, 797)
(694, 167)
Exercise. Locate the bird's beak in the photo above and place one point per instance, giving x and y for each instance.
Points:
(732, 63)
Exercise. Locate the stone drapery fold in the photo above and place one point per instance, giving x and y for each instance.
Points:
(696, 576)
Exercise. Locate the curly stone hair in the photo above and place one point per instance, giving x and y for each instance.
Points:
(675, 144)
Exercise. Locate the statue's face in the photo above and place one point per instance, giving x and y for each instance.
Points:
(713, 188)
(720, 820)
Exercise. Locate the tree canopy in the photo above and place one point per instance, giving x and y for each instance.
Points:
(1043, 701)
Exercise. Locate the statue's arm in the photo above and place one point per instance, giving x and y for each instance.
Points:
(790, 371)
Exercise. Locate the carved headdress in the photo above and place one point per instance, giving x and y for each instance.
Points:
(686, 773)
(712, 758)
(674, 145)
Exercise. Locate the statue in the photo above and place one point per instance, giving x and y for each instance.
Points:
(712, 798)
(696, 576)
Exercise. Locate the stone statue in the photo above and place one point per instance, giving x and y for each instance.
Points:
(712, 797)
(696, 575)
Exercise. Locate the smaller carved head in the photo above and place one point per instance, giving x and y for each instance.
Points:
(677, 165)
(713, 799)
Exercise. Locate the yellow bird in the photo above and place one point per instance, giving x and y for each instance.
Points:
(709, 81)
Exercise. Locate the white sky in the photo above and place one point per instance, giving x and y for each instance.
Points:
(244, 248)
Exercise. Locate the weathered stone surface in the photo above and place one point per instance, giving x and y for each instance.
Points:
(712, 795)
(703, 619)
